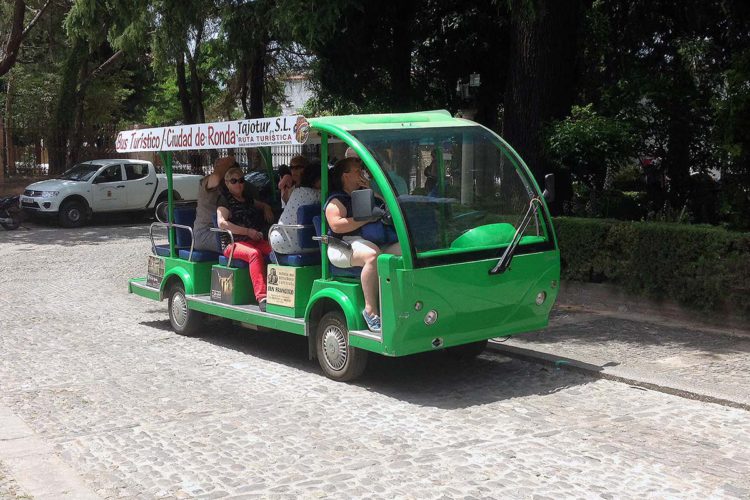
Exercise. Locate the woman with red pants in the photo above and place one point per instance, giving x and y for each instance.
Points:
(236, 212)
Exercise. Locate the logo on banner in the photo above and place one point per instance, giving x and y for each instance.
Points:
(301, 129)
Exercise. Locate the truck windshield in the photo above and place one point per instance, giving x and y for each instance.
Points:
(81, 172)
(460, 189)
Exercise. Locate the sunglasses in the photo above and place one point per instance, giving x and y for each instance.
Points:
(241, 180)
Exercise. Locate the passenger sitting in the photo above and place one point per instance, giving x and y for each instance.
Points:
(291, 181)
(208, 193)
(347, 176)
(307, 194)
(235, 212)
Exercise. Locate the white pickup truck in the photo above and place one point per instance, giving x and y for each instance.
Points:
(104, 186)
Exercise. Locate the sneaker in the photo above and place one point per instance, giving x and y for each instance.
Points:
(372, 320)
(262, 305)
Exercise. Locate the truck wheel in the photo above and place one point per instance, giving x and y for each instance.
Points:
(161, 207)
(184, 321)
(467, 351)
(72, 214)
(339, 360)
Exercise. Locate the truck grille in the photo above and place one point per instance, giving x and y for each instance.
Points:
(32, 193)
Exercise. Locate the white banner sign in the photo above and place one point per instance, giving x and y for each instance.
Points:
(280, 131)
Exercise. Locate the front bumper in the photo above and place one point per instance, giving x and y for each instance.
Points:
(39, 205)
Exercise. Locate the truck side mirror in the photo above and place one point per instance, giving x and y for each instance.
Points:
(364, 206)
(549, 188)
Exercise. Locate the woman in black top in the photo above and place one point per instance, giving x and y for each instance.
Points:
(236, 211)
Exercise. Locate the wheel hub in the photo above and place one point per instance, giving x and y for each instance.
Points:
(74, 214)
(335, 348)
(179, 309)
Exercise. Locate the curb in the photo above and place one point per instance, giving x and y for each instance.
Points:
(34, 465)
(600, 372)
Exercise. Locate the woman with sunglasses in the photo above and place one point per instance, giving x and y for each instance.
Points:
(235, 212)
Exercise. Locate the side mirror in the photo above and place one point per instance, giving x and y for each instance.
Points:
(549, 188)
(364, 206)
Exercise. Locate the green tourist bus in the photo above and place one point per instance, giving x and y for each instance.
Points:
(479, 257)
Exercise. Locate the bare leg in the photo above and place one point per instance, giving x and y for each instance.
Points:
(365, 254)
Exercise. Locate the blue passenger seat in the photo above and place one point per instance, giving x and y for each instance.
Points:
(311, 250)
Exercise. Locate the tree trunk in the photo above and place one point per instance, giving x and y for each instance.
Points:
(2, 150)
(242, 83)
(401, 53)
(13, 44)
(196, 89)
(257, 80)
(182, 91)
(74, 152)
(541, 80)
(65, 108)
(10, 145)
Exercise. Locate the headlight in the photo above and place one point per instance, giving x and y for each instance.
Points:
(430, 317)
(50, 194)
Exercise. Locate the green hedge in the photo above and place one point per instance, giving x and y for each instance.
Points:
(703, 268)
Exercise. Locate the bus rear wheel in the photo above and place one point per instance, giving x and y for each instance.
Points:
(184, 320)
(339, 360)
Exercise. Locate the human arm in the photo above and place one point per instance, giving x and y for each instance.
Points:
(222, 220)
(286, 186)
(267, 210)
(221, 166)
(337, 218)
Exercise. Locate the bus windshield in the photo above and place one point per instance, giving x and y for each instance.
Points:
(460, 189)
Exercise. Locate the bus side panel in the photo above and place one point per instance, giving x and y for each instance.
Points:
(195, 276)
(347, 295)
(471, 304)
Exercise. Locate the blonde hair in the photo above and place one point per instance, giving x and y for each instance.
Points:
(232, 171)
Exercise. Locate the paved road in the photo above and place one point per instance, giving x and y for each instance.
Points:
(117, 405)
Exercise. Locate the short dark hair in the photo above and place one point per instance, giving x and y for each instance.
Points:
(340, 168)
(310, 175)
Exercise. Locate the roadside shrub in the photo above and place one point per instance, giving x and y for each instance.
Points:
(703, 268)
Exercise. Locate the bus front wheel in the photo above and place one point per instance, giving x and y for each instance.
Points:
(339, 360)
(184, 321)
(467, 351)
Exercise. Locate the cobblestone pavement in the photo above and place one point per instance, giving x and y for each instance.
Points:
(9, 487)
(140, 412)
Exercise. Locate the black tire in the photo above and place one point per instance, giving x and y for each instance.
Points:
(73, 213)
(184, 321)
(467, 351)
(339, 360)
(15, 222)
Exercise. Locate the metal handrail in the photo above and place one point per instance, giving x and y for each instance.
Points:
(167, 225)
(231, 238)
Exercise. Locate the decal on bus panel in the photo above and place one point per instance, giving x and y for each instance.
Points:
(155, 271)
(281, 284)
(279, 131)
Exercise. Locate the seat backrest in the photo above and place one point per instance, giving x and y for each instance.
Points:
(186, 217)
(305, 216)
